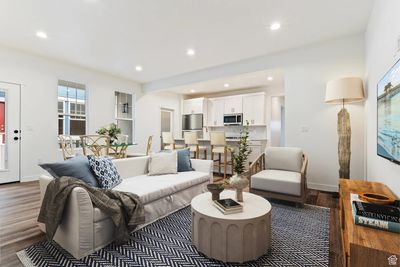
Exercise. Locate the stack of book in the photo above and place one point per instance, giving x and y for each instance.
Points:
(228, 206)
(376, 215)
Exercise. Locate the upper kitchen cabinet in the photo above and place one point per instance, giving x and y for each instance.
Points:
(254, 109)
(216, 112)
(194, 106)
(233, 105)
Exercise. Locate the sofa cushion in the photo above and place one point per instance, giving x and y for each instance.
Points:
(151, 188)
(184, 163)
(163, 163)
(77, 167)
(106, 173)
(286, 182)
(284, 158)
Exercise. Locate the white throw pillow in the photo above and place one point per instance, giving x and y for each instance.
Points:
(163, 163)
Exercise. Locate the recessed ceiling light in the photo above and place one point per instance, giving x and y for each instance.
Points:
(270, 78)
(138, 68)
(192, 91)
(41, 34)
(226, 85)
(275, 26)
(190, 52)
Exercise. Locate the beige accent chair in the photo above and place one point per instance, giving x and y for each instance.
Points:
(280, 173)
(98, 145)
(148, 149)
(67, 146)
(192, 143)
(168, 141)
(218, 145)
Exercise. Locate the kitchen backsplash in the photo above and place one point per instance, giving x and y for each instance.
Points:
(234, 131)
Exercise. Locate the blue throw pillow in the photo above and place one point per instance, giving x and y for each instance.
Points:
(184, 163)
(77, 167)
(106, 173)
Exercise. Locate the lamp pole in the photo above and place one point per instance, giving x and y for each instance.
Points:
(344, 149)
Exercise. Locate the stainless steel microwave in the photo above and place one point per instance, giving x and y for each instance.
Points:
(233, 119)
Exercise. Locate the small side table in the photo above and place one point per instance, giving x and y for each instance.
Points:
(236, 237)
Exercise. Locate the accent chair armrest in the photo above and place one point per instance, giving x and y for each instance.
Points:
(258, 165)
(201, 165)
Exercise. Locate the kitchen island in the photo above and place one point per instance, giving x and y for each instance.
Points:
(256, 145)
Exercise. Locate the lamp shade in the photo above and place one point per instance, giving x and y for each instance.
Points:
(344, 90)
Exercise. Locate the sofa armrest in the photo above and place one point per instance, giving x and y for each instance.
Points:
(76, 230)
(201, 165)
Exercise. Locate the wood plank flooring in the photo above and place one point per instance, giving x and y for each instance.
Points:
(19, 207)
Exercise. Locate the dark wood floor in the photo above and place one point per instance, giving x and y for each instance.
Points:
(19, 207)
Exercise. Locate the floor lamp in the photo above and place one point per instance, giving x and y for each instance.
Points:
(341, 91)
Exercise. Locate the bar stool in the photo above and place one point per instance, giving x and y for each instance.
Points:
(218, 145)
(168, 141)
(192, 143)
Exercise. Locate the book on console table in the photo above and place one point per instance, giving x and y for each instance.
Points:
(377, 211)
(371, 222)
(228, 206)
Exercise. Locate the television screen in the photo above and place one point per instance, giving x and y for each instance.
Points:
(389, 115)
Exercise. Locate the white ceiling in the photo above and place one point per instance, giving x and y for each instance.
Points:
(237, 82)
(115, 36)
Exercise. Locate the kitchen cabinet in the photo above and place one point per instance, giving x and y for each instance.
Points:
(254, 109)
(193, 106)
(216, 112)
(233, 105)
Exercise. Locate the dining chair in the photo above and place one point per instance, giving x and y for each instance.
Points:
(98, 145)
(67, 146)
(148, 149)
(168, 141)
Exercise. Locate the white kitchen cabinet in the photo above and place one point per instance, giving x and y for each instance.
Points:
(193, 106)
(254, 109)
(216, 112)
(233, 105)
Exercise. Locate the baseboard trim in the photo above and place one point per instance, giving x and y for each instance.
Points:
(30, 178)
(323, 187)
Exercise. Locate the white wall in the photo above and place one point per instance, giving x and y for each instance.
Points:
(40, 76)
(148, 120)
(310, 123)
(381, 45)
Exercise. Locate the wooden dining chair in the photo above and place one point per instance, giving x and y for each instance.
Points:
(148, 149)
(98, 145)
(67, 146)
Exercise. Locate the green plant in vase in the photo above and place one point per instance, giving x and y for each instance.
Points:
(239, 157)
(111, 130)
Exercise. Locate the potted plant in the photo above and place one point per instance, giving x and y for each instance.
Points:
(239, 181)
(111, 130)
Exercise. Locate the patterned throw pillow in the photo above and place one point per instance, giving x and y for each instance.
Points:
(105, 170)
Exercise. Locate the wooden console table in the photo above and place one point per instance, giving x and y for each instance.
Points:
(364, 246)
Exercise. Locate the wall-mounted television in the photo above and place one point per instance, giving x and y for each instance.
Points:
(388, 106)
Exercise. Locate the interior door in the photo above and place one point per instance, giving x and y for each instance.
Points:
(166, 117)
(10, 133)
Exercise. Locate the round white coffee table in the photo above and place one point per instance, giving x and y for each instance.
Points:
(236, 237)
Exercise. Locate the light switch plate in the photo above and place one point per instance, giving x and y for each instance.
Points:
(304, 129)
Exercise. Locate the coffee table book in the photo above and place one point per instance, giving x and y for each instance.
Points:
(226, 212)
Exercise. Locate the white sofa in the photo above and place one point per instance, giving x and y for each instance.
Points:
(85, 228)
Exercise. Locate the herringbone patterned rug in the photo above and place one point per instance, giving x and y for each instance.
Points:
(300, 237)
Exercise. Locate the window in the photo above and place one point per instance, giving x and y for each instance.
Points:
(123, 114)
(71, 108)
